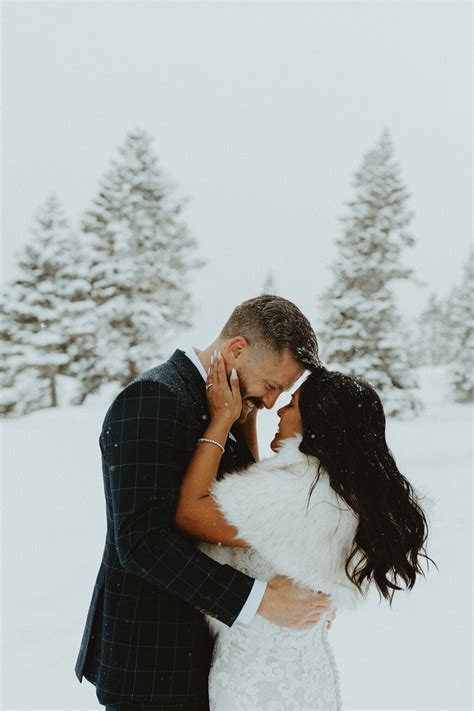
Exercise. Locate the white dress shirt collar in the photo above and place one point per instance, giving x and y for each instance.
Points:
(193, 357)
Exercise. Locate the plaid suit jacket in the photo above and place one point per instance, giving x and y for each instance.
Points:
(146, 640)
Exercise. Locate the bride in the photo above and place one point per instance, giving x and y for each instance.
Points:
(330, 510)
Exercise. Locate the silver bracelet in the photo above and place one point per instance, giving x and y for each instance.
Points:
(212, 441)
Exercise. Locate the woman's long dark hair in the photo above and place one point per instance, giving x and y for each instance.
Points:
(344, 427)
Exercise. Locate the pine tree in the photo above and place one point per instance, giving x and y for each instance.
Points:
(21, 387)
(140, 253)
(269, 286)
(363, 333)
(462, 335)
(432, 333)
(46, 315)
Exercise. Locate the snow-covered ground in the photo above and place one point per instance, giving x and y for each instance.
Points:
(415, 656)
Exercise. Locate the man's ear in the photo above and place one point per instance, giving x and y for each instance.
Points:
(237, 346)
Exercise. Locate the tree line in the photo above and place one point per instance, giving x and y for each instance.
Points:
(101, 303)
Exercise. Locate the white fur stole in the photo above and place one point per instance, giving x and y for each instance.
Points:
(267, 503)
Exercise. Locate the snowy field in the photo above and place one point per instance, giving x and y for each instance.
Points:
(415, 656)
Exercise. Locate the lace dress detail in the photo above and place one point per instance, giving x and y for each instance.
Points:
(264, 667)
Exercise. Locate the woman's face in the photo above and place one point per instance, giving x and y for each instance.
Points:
(290, 420)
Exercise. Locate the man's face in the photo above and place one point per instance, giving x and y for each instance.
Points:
(262, 376)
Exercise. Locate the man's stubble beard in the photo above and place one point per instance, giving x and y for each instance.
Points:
(244, 413)
(255, 401)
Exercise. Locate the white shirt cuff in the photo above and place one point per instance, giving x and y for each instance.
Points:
(252, 603)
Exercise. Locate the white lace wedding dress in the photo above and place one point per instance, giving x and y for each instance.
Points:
(270, 668)
(261, 666)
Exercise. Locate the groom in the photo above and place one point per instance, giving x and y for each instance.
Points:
(146, 644)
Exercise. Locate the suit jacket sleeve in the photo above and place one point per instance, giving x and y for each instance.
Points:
(142, 443)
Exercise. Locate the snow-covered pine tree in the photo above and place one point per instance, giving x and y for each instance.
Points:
(362, 333)
(140, 253)
(21, 388)
(269, 286)
(46, 315)
(432, 338)
(461, 308)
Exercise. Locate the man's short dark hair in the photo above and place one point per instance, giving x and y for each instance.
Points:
(273, 323)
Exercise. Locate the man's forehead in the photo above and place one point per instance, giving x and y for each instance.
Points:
(285, 374)
(291, 381)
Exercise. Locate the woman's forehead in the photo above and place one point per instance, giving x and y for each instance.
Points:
(297, 393)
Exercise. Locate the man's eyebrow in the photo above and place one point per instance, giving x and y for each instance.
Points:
(274, 384)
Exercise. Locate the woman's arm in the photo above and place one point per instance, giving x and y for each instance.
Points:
(197, 513)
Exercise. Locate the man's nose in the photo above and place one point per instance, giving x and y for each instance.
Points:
(269, 400)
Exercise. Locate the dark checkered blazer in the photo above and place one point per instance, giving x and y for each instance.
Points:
(146, 640)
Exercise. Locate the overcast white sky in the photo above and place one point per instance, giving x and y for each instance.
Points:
(261, 112)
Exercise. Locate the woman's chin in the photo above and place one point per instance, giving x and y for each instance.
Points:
(274, 443)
